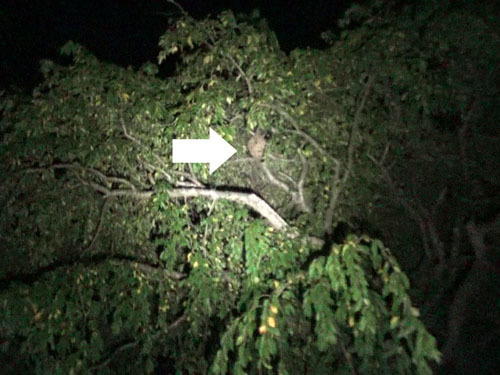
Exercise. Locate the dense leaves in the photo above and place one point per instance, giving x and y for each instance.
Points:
(109, 266)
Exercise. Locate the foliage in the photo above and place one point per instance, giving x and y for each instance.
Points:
(108, 268)
(442, 174)
(342, 322)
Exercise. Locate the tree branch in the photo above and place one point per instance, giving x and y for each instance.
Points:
(299, 131)
(156, 156)
(178, 6)
(243, 74)
(157, 271)
(251, 200)
(339, 186)
(132, 344)
(97, 228)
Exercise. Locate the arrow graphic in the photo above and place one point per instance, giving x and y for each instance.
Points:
(214, 151)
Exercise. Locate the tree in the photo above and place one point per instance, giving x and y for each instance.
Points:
(119, 261)
(441, 176)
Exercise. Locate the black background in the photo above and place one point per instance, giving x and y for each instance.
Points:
(126, 32)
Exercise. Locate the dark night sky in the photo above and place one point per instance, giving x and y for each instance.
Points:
(126, 32)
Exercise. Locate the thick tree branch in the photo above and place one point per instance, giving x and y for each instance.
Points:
(251, 200)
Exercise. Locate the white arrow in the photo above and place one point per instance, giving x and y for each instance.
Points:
(214, 151)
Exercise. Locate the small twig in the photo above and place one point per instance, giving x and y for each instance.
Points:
(436, 241)
(97, 228)
(284, 175)
(106, 362)
(210, 209)
(300, 184)
(243, 74)
(132, 344)
(281, 160)
(335, 190)
(357, 116)
(177, 322)
(156, 156)
(108, 179)
(157, 271)
(240, 160)
(104, 178)
(337, 185)
(348, 358)
(299, 131)
(192, 176)
(52, 166)
(420, 216)
(476, 238)
(298, 195)
(178, 6)
(462, 140)
(108, 193)
(211, 44)
(384, 155)
(272, 179)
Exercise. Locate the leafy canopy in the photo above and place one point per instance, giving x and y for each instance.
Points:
(115, 262)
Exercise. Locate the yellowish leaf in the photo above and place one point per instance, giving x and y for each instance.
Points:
(351, 321)
(207, 59)
(394, 321)
(38, 316)
(271, 322)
